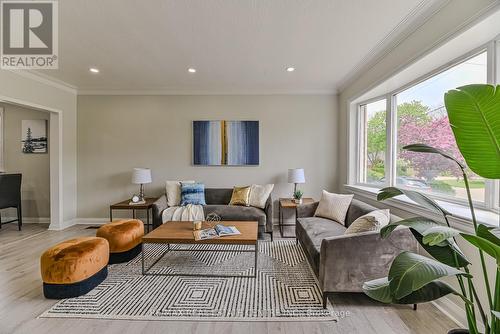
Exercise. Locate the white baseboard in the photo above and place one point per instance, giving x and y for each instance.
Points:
(88, 221)
(452, 311)
(30, 220)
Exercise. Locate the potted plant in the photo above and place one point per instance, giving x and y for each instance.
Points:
(474, 114)
(297, 196)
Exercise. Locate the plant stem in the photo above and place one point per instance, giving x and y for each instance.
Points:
(471, 312)
(478, 302)
(481, 255)
(495, 323)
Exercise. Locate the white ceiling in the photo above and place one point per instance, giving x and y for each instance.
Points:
(237, 46)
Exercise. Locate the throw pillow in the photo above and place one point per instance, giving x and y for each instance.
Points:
(240, 196)
(259, 195)
(372, 221)
(193, 193)
(173, 192)
(333, 206)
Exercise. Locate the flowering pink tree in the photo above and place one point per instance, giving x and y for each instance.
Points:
(433, 131)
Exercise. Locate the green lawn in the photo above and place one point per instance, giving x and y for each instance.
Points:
(474, 184)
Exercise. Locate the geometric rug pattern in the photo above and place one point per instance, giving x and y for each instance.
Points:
(285, 287)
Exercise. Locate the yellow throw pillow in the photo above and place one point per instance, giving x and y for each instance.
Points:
(241, 196)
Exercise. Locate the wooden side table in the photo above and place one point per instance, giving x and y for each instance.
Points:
(288, 203)
(125, 205)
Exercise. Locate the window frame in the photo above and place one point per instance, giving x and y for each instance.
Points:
(360, 119)
(492, 187)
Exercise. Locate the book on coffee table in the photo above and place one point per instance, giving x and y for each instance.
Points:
(218, 231)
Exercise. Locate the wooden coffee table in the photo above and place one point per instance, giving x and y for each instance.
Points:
(181, 232)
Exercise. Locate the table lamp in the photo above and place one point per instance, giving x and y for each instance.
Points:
(296, 175)
(141, 176)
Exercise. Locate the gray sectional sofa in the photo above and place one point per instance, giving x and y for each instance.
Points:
(341, 262)
(217, 200)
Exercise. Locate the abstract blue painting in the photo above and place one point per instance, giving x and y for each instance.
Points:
(231, 143)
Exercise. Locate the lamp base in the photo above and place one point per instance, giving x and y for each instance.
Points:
(141, 194)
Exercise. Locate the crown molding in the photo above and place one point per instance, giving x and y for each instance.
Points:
(146, 92)
(47, 80)
(418, 16)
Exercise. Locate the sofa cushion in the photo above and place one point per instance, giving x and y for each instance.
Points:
(192, 193)
(240, 196)
(173, 192)
(312, 231)
(333, 206)
(218, 195)
(372, 221)
(259, 195)
(245, 213)
(356, 210)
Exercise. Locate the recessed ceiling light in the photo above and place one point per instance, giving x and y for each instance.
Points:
(290, 69)
(192, 70)
(94, 70)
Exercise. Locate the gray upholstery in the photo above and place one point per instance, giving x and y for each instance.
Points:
(217, 200)
(215, 196)
(232, 212)
(311, 231)
(344, 262)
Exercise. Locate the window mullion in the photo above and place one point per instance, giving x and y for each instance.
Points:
(391, 156)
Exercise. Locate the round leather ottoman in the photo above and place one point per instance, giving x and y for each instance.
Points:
(74, 267)
(124, 237)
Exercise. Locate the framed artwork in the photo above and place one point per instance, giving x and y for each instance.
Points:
(226, 143)
(34, 136)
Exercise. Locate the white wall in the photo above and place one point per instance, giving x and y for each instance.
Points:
(117, 133)
(452, 18)
(35, 190)
(22, 89)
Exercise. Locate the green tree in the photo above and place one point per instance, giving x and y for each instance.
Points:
(413, 112)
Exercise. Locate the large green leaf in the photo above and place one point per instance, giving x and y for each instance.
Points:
(415, 196)
(485, 245)
(489, 233)
(410, 272)
(449, 254)
(379, 290)
(446, 252)
(437, 234)
(419, 224)
(423, 148)
(474, 114)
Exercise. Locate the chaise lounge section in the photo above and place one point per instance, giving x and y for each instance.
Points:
(342, 262)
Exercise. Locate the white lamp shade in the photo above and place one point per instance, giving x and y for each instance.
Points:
(141, 175)
(296, 175)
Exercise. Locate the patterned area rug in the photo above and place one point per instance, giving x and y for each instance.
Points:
(285, 287)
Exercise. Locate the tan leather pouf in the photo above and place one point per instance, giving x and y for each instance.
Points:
(74, 267)
(124, 237)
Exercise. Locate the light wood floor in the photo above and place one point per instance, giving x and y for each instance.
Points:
(21, 301)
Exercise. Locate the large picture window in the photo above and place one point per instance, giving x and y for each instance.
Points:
(422, 118)
(416, 114)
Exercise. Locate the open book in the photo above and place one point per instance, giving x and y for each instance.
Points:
(218, 231)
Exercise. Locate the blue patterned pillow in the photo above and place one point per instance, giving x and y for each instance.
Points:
(192, 193)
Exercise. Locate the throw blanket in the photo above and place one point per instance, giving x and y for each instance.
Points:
(183, 213)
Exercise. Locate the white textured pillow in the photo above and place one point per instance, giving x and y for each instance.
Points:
(333, 206)
(173, 191)
(372, 221)
(259, 195)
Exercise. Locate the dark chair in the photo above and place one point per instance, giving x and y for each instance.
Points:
(10, 196)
